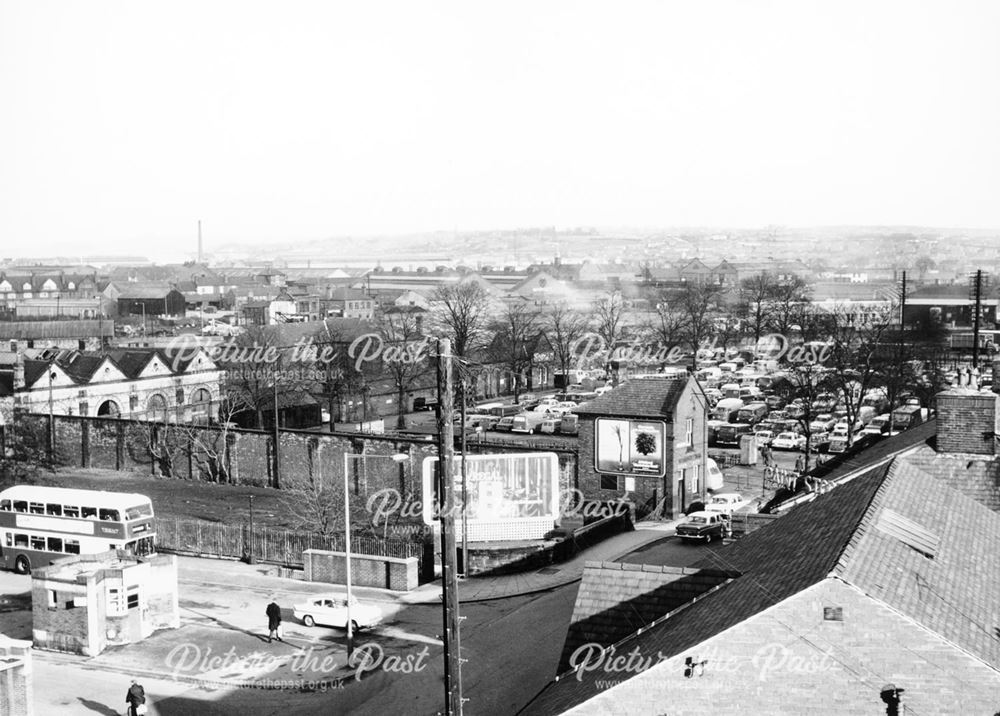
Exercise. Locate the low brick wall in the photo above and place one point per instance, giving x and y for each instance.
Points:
(395, 573)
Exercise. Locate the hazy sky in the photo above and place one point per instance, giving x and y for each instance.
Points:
(123, 123)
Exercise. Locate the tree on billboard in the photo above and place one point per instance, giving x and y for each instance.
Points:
(645, 443)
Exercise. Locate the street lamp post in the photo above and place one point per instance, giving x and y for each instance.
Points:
(397, 458)
(250, 559)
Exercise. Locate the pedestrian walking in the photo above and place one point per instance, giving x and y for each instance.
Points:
(273, 621)
(135, 697)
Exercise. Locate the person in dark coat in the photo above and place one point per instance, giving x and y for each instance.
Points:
(273, 621)
(135, 696)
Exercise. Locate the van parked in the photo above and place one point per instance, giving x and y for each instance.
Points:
(569, 424)
(730, 390)
(752, 413)
(730, 434)
(727, 409)
(503, 411)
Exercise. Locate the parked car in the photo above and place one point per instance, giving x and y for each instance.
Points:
(714, 479)
(822, 423)
(764, 437)
(789, 441)
(424, 404)
(504, 425)
(774, 402)
(725, 502)
(331, 610)
(704, 525)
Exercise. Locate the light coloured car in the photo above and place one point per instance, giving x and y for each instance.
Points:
(331, 610)
(764, 437)
(725, 502)
(789, 441)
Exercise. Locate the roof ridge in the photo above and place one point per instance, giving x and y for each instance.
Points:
(867, 518)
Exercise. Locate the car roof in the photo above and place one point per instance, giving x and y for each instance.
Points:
(702, 513)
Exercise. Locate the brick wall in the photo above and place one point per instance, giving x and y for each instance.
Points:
(790, 660)
(62, 627)
(366, 571)
(967, 420)
(15, 678)
(682, 459)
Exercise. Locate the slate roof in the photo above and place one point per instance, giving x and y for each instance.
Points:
(145, 290)
(80, 366)
(919, 436)
(639, 397)
(950, 588)
(615, 600)
(40, 330)
(954, 594)
(775, 562)
(975, 478)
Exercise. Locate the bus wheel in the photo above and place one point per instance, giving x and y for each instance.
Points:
(22, 565)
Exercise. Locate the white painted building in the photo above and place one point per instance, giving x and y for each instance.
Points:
(136, 383)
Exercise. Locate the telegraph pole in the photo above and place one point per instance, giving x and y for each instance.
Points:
(977, 296)
(446, 509)
(902, 304)
(277, 434)
(465, 491)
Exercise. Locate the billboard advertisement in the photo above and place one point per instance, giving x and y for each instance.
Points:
(630, 447)
(501, 489)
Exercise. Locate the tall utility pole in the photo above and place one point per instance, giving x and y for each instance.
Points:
(277, 435)
(977, 297)
(465, 489)
(199, 242)
(445, 506)
(902, 304)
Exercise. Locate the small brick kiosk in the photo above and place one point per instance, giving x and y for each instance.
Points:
(85, 603)
(646, 442)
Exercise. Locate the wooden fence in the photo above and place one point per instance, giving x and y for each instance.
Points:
(213, 539)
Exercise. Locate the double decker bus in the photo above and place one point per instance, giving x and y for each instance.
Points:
(41, 524)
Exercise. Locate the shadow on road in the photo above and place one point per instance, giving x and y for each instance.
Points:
(101, 708)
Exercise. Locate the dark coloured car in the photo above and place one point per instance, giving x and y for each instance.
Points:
(703, 525)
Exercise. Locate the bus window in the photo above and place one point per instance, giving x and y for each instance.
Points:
(72, 546)
(71, 511)
(135, 513)
(55, 544)
(36, 508)
(88, 513)
(5, 505)
(20, 540)
(110, 515)
(20, 505)
(53, 509)
(37, 542)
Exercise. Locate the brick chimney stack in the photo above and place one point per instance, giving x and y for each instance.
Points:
(968, 421)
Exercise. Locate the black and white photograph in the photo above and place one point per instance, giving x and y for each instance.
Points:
(499, 359)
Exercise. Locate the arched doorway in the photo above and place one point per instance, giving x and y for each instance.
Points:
(156, 408)
(108, 409)
(201, 405)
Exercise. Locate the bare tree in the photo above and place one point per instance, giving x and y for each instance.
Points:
(516, 335)
(609, 315)
(755, 297)
(697, 302)
(564, 327)
(463, 312)
(403, 357)
(788, 305)
(666, 326)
